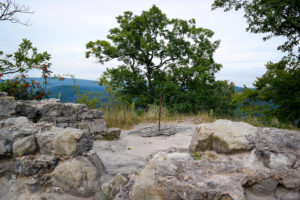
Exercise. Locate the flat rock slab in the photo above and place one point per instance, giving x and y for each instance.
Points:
(152, 131)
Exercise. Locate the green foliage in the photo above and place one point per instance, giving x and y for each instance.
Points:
(20, 63)
(197, 155)
(276, 17)
(280, 86)
(162, 57)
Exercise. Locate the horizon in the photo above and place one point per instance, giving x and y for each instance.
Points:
(64, 34)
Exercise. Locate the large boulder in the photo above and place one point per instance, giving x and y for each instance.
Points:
(223, 136)
(16, 128)
(263, 163)
(64, 142)
(174, 174)
(77, 176)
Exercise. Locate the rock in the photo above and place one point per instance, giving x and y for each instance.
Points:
(33, 164)
(285, 194)
(24, 146)
(113, 187)
(91, 114)
(97, 127)
(6, 166)
(173, 174)
(63, 115)
(112, 133)
(64, 142)
(223, 136)
(277, 161)
(77, 176)
(71, 142)
(28, 109)
(95, 160)
(121, 162)
(7, 106)
(11, 129)
(264, 188)
(3, 94)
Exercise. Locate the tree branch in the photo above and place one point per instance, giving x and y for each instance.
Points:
(9, 9)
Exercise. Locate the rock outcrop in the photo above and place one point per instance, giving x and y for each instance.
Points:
(40, 151)
(226, 160)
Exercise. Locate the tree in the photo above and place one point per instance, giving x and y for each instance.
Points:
(277, 91)
(281, 85)
(9, 11)
(275, 17)
(20, 63)
(159, 56)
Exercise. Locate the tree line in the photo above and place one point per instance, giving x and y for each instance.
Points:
(174, 58)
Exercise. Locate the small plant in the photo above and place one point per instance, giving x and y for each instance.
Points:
(19, 64)
(197, 155)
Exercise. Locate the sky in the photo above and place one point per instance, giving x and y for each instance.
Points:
(64, 27)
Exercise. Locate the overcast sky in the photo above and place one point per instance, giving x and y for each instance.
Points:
(63, 27)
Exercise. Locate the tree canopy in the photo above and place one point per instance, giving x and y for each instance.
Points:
(160, 56)
(277, 91)
(275, 17)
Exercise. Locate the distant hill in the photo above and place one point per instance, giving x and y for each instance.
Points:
(67, 81)
(66, 90)
(67, 94)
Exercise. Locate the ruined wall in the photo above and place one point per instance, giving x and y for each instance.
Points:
(46, 150)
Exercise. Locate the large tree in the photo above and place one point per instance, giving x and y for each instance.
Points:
(156, 51)
(277, 91)
(275, 17)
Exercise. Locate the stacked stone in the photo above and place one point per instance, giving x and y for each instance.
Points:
(47, 158)
(67, 115)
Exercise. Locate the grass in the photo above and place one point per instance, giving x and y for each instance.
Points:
(126, 118)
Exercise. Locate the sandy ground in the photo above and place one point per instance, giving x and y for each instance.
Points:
(144, 146)
(137, 145)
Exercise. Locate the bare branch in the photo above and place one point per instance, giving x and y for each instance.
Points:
(9, 11)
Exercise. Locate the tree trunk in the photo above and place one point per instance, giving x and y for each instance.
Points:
(150, 86)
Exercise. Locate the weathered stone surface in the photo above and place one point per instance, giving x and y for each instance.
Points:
(33, 164)
(12, 129)
(77, 176)
(97, 127)
(7, 106)
(6, 166)
(285, 194)
(24, 146)
(28, 109)
(63, 115)
(173, 174)
(270, 171)
(91, 114)
(113, 187)
(71, 142)
(223, 136)
(112, 133)
(94, 159)
(64, 142)
(265, 187)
